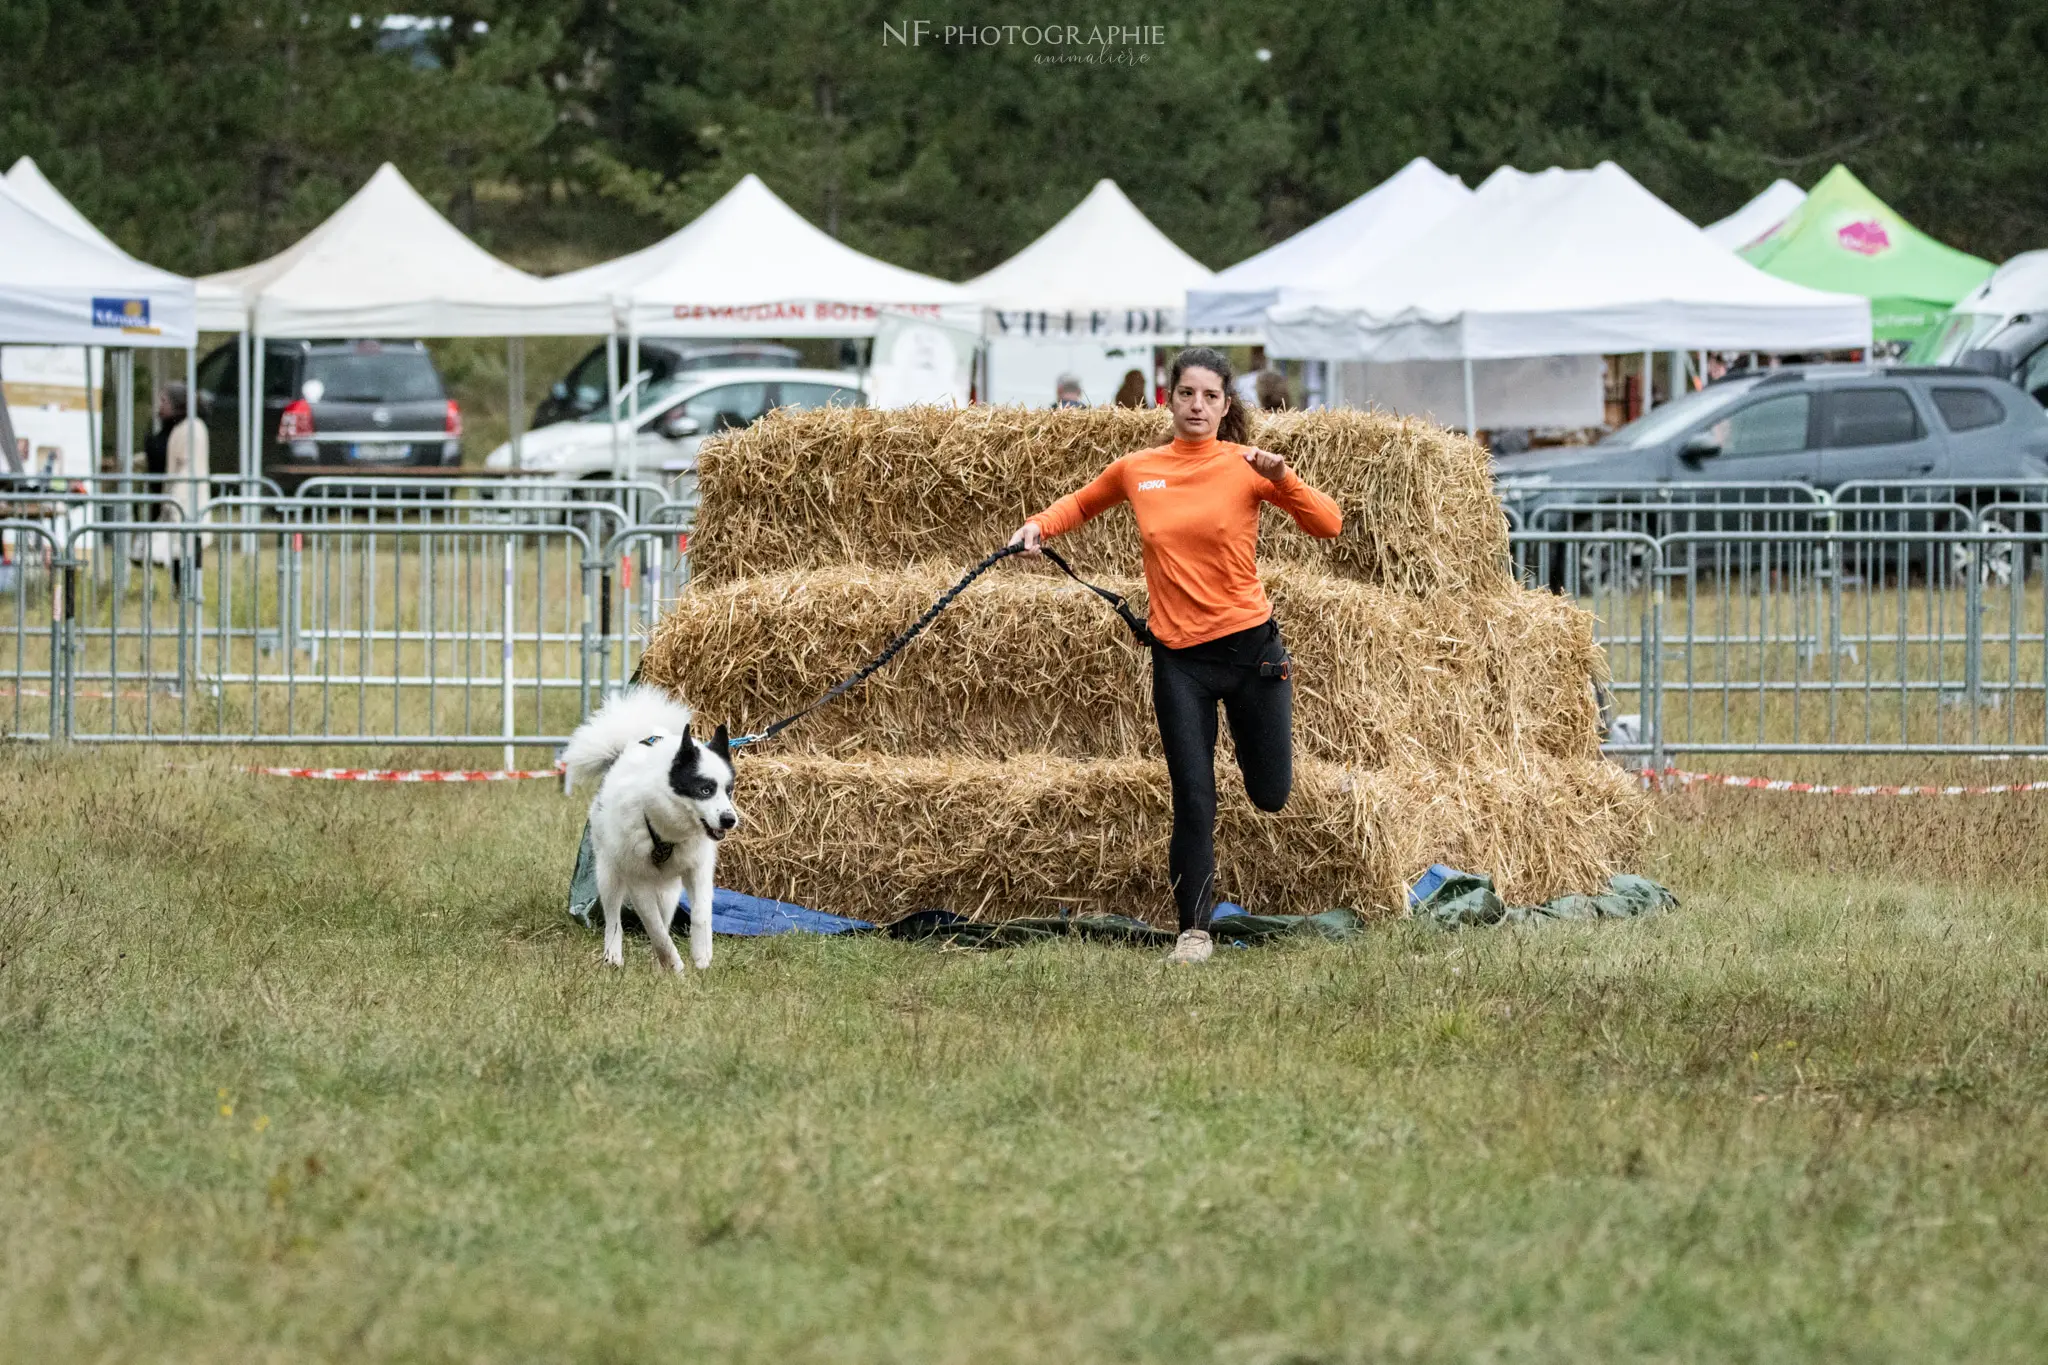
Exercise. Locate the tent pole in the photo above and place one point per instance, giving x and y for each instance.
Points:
(1649, 383)
(124, 455)
(515, 396)
(611, 390)
(124, 413)
(252, 454)
(242, 410)
(194, 497)
(1471, 403)
(632, 397)
(94, 428)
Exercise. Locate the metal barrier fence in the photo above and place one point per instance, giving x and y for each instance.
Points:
(1879, 618)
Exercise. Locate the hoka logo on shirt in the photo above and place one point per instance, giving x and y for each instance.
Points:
(1151, 483)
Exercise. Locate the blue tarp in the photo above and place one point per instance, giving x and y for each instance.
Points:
(735, 912)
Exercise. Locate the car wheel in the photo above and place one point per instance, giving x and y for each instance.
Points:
(1995, 562)
(1612, 566)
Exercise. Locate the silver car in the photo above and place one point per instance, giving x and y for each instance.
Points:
(1760, 434)
(655, 434)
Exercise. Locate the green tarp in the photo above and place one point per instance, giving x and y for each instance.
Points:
(1468, 899)
(1846, 240)
(1464, 900)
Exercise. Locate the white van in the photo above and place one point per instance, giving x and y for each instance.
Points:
(2000, 327)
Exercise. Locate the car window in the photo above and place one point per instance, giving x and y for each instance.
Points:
(1871, 417)
(1776, 426)
(1680, 414)
(653, 393)
(587, 380)
(1958, 333)
(281, 374)
(219, 375)
(393, 376)
(817, 396)
(2034, 376)
(769, 357)
(727, 406)
(1968, 409)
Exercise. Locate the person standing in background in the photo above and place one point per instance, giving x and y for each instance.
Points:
(1131, 393)
(1068, 393)
(176, 458)
(1272, 390)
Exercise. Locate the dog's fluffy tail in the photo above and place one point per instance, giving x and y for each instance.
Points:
(625, 720)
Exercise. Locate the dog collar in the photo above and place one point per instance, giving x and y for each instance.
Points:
(664, 849)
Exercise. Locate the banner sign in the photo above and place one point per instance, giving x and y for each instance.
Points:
(130, 315)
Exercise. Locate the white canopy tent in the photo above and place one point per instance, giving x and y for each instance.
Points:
(63, 283)
(752, 266)
(1333, 253)
(27, 181)
(61, 289)
(1103, 272)
(387, 264)
(33, 188)
(1758, 217)
(1557, 391)
(1565, 263)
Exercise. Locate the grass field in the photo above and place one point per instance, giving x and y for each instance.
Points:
(297, 1071)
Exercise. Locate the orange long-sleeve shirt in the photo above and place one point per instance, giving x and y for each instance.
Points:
(1197, 504)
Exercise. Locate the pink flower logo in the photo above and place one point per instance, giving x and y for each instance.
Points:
(1866, 238)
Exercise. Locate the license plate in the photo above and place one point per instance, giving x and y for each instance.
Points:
(380, 450)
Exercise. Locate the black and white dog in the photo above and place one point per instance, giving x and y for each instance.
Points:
(663, 806)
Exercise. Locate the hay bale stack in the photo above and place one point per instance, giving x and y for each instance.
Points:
(944, 486)
(878, 836)
(1006, 764)
(1029, 661)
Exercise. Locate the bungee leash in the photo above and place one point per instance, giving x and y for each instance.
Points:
(1116, 600)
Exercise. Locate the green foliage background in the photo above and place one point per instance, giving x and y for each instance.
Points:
(203, 134)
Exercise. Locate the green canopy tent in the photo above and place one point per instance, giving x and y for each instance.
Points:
(1846, 240)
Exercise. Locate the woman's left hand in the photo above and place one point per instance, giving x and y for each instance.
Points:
(1268, 464)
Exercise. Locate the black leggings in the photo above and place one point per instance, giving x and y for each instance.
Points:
(1186, 685)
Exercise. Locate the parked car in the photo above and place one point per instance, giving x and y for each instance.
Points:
(675, 415)
(1821, 425)
(582, 390)
(349, 407)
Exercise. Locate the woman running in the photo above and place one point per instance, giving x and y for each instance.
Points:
(1197, 502)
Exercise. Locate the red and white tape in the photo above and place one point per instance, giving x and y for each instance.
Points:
(1680, 777)
(406, 774)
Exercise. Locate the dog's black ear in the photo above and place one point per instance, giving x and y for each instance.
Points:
(721, 744)
(685, 765)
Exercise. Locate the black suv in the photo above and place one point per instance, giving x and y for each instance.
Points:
(582, 390)
(345, 407)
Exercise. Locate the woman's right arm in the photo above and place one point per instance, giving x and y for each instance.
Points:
(1105, 491)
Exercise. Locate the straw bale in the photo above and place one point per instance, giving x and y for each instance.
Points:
(1026, 660)
(802, 490)
(877, 836)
